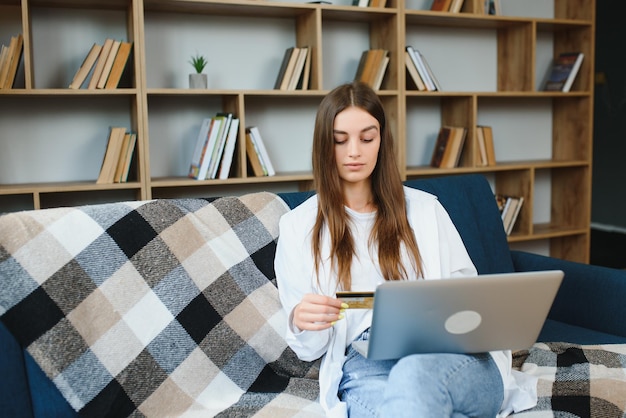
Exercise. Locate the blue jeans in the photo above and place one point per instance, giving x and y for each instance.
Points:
(421, 385)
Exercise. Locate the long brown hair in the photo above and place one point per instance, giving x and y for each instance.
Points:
(391, 228)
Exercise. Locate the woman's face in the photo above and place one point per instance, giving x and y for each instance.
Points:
(357, 141)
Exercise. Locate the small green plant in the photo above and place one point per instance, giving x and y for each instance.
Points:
(198, 62)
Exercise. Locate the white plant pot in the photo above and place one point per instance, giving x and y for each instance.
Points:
(198, 81)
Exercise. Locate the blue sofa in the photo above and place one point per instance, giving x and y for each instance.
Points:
(589, 307)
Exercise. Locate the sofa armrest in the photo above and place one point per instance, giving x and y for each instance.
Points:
(590, 296)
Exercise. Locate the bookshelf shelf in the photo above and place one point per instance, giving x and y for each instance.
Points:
(490, 67)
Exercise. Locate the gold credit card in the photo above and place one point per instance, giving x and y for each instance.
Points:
(357, 300)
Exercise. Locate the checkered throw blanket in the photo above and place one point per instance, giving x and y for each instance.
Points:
(576, 381)
(156, 308)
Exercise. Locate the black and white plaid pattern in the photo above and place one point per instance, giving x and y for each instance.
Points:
(156, 308)
(586, 381)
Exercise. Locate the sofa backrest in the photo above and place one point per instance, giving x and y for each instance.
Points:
(471, 205)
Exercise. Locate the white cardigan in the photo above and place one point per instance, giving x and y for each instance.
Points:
(443, 255)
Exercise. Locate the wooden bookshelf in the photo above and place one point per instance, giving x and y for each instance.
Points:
(543, 139)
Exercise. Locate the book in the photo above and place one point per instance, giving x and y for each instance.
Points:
(14, 57)
(448, 147)
(254, 157)
(414, 74)
(102, 58)
(128, 157)
(421, 68)
(361, 3)
(229, 149)
(489, 145)
(492, 7)
(454, 147)
(306, 72)
(111, 156)
(380, 74)
(4, 65)
(298, 68)
(440, 5)
(286, 68)
(218, 149)
(196, 158)
(509, 207)
(563, 71)
(205, 160)
(431, 74)
(456, 6)
(443, 138)
(482, 150)
(370, 66)
(108, 64)
(119, 64)
(85, 68)
(266, 162)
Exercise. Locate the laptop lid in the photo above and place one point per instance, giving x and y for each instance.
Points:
(461, 315)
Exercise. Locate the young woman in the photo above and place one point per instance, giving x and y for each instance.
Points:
(361, 228)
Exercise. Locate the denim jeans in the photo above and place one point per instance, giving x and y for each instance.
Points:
(421, 385)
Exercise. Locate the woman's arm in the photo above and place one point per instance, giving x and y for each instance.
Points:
(300, 297)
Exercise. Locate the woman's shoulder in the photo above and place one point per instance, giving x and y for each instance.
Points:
(304, 211)
(417, 195)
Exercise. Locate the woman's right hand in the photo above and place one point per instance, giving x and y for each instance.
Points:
(317, 312)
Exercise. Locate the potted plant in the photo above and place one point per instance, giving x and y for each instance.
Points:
(198, 80)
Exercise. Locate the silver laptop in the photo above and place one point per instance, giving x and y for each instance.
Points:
(460, 315)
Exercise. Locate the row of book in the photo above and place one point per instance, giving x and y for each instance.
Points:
(372, 67)
(295, 69)
(419, 70)
(509, 207)
(369, 3)
(449, 146)
(118, 156)
(215, 146)
(452, 6)
(10, 57)
(103, 65)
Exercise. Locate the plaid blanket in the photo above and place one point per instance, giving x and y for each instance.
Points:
(576, 381)
(156, 308)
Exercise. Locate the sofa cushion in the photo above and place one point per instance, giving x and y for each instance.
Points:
(156, 307)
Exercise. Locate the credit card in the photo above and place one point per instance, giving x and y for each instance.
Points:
(357, 300)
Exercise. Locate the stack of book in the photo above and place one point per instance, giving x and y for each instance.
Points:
(118, 157)
(448, 147)
(10, 57)
(509, 207)
(295, 69)
(372, 67)
(257, 153)
(484, 137)
(215, 146)
(103, 65)
(369, 3)
(419, 70)
(452, 6)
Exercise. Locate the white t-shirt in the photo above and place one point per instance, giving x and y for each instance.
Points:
(443, 255)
